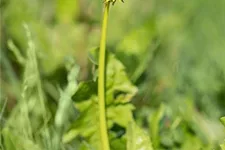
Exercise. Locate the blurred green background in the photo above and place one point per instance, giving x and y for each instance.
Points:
(172, 50)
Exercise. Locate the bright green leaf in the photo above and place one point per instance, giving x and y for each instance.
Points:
(120, 114)
(137, 139)
(222, 119)
(119, 87)
(89, 87)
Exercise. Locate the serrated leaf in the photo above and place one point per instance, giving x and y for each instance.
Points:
(119, 88)
(137, 139)
(118, 82)
(119, 91)
(120, 114)
(87, 123)
(85, 91)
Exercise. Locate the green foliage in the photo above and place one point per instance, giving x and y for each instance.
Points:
(165, 79)
(119, 91)
(137, 139)
(154, 122)
(20, 127)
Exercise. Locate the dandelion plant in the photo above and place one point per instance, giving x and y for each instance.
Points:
(101, 81)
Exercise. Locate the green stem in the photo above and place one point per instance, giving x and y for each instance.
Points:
(101, 82)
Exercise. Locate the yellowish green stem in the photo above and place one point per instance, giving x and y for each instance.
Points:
(101, 82)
